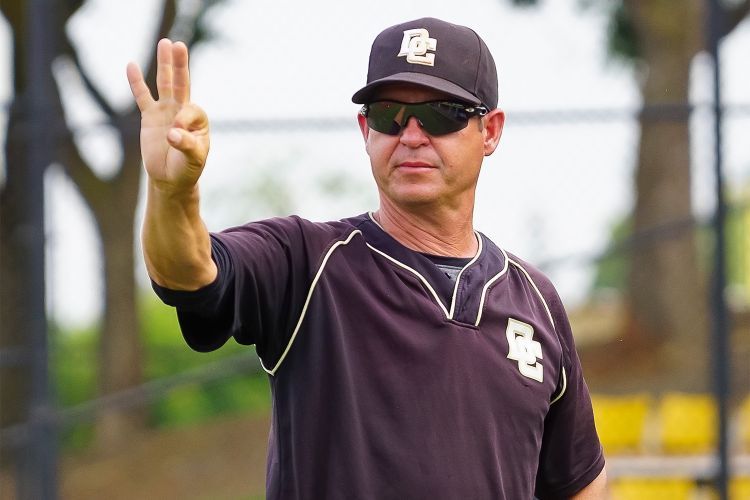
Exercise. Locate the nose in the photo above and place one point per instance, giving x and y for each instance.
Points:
(412, 135)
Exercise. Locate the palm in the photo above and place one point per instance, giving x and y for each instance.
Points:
(174, 132)
(163, 162)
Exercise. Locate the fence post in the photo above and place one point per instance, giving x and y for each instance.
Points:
(40, 455)
(720, 320)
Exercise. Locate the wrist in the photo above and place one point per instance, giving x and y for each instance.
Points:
(167, 191)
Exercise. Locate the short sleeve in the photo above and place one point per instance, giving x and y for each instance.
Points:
(264, 274)
(571, 455)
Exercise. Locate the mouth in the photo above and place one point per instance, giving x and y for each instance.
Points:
(415, 165)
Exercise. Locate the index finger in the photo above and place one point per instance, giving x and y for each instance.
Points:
(138, 87)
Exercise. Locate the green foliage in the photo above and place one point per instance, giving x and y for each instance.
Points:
(612, 268)
(74, 368)
(738, 246)
(168, 355)
(623, 40)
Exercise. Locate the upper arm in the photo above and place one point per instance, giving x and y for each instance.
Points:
(571, 456)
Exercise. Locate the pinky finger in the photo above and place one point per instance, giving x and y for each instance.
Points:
(138, 87)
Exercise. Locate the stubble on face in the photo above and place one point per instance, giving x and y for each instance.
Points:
(415, 169)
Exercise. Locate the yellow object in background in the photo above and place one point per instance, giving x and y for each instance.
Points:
(687, 423)
(635, 488)
(739, 488)
(620, 421)
(744, 425)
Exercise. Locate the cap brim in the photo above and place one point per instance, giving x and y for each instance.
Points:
(365, 94)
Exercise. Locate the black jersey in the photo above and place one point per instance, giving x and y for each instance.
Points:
(391, 381)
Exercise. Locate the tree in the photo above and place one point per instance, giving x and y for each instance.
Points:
(666, 290)
(15, 312)
(112, 202)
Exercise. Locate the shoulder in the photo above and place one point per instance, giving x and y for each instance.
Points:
(531, 273)
(543, 286)
(551, 298)
(289, 231)
(535, 275)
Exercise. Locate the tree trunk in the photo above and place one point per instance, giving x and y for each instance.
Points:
(15, 313)
(113, 203)
(666, 288)
(120, 353)
(120, 350)
(15, 370)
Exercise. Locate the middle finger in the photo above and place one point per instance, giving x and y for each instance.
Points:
(164, 69)
(181, 72)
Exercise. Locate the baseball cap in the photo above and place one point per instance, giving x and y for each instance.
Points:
(435, 54)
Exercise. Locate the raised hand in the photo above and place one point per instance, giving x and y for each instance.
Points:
(174, 131)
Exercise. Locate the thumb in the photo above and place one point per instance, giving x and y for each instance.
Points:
(182, 140)
(174, 137)
(187, 143)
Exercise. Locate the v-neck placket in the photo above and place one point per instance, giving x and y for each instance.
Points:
(466, 295)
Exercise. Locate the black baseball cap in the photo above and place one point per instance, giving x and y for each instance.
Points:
(434, 54)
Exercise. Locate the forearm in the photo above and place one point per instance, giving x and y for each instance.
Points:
(176, 243)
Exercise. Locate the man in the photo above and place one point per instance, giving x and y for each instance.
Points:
(409, 357)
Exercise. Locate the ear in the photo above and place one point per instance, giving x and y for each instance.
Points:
(493, 129)
(363, 126)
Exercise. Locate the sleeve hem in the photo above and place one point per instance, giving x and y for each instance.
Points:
(579, 483)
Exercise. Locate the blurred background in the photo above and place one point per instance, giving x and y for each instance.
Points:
(606, 179)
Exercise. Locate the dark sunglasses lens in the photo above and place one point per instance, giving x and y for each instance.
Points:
(439, 118)
(382, 116)
(436, 118)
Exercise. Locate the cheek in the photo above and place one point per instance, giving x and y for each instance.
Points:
(378, 149)
(463, 157)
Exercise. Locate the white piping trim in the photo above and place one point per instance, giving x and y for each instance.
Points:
(307, 301)
(372, 218)
(549, 314)
(458, 278)
(487, 286)
(422, 278)
(562, 391)
(541, 297)
(448, 314)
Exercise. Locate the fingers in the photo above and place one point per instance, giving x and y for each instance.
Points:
(191, 117)
(164, 69)
(181, 75)
(194, 147)
(138, 86)
(181, 139)
(172, 75)
(189, 133)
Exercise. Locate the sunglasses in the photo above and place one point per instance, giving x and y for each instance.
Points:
(435, 117)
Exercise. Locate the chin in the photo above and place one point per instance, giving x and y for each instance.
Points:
(415, 198)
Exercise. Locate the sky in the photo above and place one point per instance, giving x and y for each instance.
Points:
(551, 190)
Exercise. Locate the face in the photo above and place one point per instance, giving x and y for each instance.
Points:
(414, 169)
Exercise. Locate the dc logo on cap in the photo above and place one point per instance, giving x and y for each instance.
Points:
(415, 44)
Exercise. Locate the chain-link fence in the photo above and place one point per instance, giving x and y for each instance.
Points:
(658, 426)
(572, 191)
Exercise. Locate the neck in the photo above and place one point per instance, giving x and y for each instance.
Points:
(448, 233)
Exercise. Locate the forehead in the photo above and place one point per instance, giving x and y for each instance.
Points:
(408, 92)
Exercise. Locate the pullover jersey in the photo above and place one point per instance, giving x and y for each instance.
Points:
(388, 380)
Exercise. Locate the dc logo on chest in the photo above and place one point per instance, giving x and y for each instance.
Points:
(524, 349)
